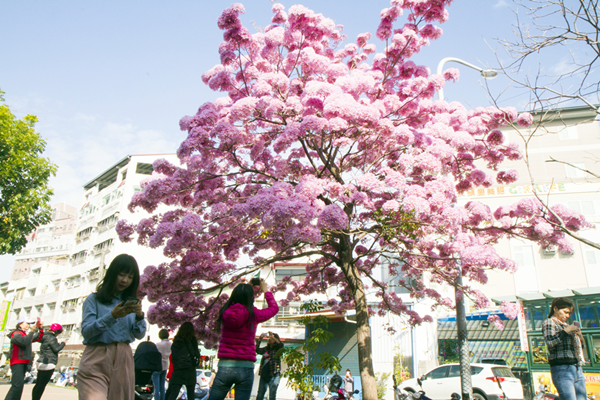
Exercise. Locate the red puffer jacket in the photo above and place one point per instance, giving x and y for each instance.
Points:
(237, 336)
(21, 345)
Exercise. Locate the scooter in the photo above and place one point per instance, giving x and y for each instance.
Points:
(342, 394)
(544, 391)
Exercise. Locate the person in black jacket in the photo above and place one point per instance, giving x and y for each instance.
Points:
(270, 365)
(185, 358)
(20, 356)
(47, 360)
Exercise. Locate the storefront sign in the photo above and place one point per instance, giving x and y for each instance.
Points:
(515, 190)
(522, 328)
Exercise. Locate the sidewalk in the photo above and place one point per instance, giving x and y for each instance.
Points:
(51, 392)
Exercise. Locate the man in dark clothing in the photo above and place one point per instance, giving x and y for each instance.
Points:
(270, 365)
(20, 354)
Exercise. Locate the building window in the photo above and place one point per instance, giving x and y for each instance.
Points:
(526, 275)
(27, 312)
(589, 208)
(51, 308)
(56, 285)
(297, 274)
(83, 234)
(20, 294)
(73, 281)
(38, 310)
(573, 172)
(35, 272)
(79, 257)
(69, 305)
(108, 223)
(67, 331)
(93, 274)
(291, 310)
(31, 292)
(102, 248)
(143, 169)
(568, 133)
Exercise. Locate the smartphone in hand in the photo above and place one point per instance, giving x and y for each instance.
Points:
(132, 301)
(38, 322)
(255, 281)
(576, 323)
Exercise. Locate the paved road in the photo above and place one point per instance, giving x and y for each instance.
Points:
(51, 392)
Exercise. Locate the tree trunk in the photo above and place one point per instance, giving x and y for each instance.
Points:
(363, 330)
(365, 351)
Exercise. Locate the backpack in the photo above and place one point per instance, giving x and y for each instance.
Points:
(147, 357)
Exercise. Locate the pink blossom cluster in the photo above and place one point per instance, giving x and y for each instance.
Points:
(335, 153)
(495, 319)
(511, 310)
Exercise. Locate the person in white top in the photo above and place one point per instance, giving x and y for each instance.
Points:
(158, 378)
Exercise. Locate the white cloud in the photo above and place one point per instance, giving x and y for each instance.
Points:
(83, 145)
(500, 3)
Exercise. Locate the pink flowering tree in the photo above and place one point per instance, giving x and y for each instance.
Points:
(336, 154)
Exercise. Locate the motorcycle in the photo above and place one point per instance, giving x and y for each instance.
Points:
(544, 391)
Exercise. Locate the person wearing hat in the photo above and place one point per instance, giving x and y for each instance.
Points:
(20, 355)
(47, 360)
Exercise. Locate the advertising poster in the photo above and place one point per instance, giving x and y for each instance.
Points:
(4, 308)
(592, 382)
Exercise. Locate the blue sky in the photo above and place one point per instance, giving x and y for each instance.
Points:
(111, 78)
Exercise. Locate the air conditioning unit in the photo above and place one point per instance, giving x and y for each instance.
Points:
(550, 250)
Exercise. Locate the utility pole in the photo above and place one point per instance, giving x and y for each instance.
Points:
(463, 341)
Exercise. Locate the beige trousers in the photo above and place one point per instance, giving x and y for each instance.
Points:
(106, 372)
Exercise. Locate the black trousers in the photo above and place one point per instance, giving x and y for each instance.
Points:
(43, 377)
(173, 391)
(16, 382)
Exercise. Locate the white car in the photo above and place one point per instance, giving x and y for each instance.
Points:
(489, 382)
(203, 377)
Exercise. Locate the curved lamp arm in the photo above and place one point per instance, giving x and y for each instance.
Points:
(486, 73)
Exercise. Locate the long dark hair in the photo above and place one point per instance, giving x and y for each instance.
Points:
(186, 331)
(560, 303)
(121, 263)
(242, 294)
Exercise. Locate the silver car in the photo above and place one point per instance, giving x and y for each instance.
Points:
(203, 377)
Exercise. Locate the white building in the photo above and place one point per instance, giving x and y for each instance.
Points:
(572, 136)
(62, 277)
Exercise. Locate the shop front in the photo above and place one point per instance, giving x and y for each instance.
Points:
(587, 311)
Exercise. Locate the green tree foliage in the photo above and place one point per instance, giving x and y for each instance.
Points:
(381, 380)
(298, 371)
(24, 174)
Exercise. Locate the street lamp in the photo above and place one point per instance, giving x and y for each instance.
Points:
(486, 73)
(461, 317)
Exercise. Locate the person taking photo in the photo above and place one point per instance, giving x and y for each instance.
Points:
(270, 365)
(238, 319)
(26, 332)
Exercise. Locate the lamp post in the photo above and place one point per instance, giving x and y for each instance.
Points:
(461, 317)
(486, 73)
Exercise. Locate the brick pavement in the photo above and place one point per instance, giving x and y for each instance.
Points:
(51, 392)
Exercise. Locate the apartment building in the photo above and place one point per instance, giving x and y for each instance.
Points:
(52, 283)
(48, 244)
(562, 144)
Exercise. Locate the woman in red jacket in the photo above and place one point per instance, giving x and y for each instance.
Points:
(237, 352)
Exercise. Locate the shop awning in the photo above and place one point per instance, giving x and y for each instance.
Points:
(479, 327)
